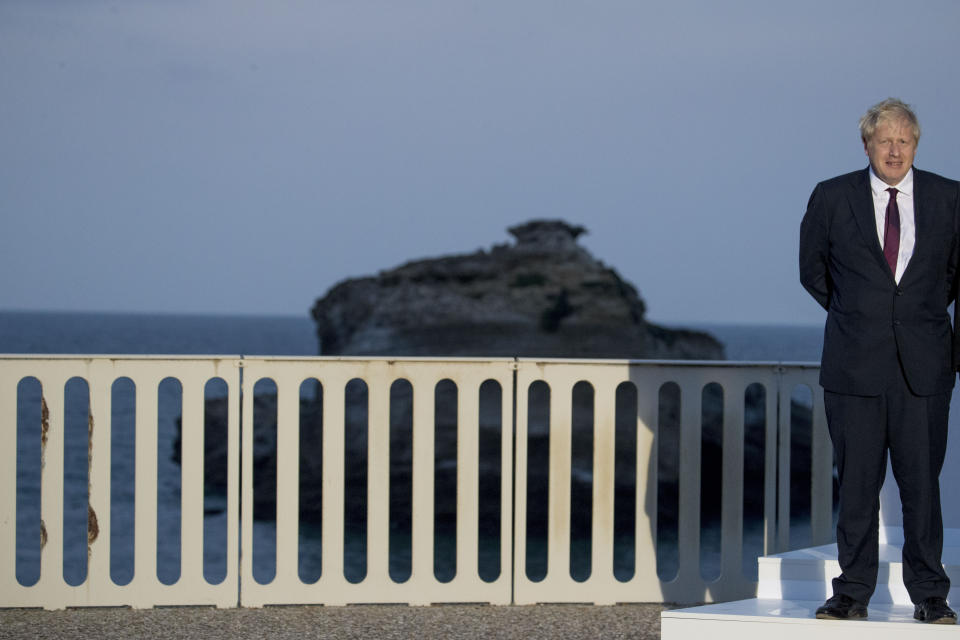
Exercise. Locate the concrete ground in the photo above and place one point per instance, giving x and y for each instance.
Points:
(547, 622)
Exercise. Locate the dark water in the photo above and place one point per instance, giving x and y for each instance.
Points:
(90, 333)
(103, 333)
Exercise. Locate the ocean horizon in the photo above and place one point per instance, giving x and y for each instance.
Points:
(138, 333)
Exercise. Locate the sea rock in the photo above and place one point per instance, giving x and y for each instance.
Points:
(542, 296)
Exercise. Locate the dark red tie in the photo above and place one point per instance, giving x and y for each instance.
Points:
(891, 232)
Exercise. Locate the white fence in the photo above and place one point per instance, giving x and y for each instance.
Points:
(145, 589)
(689, 584)
(536, 402)
(421, 587)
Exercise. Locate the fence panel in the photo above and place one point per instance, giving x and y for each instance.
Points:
(689, 585)
(98, 588)
(377, 585)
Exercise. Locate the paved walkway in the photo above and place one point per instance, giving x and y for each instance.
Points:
(369, 622)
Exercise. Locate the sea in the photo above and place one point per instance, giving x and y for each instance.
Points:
(28, 332)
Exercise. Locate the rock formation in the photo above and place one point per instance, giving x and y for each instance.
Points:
(542, 296)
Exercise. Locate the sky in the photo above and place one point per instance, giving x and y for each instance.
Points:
(240, 157)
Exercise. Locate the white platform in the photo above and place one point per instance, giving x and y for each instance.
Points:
(794, 620)
(791, 587)
(807, 574)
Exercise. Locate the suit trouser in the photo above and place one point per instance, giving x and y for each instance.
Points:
(914, 431)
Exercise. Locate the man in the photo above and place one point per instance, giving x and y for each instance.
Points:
(879, 251)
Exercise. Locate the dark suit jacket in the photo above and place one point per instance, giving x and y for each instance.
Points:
(874, 325)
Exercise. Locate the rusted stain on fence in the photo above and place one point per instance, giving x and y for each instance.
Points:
(93, 528)
(44, 428)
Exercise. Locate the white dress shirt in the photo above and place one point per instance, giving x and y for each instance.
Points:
(908, 228)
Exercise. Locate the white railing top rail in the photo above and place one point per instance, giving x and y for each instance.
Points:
(735, 364)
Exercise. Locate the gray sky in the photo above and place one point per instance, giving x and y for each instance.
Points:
(228, 156)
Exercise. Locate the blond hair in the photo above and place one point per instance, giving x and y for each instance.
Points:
(889, 109)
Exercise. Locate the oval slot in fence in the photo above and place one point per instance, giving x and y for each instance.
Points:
(309, 557)
(32, 423)
(668, 470)
(264, 481)
(78, 424)
(801, 456)
(538, 478)
(356, 424)
(445, 480)
(170, 425)
(215, 417)
(581, 481)
(755, 445)
(711, 480)
(401, 479)
(123, 495)
(625, 483)
(491, 480)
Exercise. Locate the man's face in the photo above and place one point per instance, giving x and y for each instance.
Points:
(891, 149)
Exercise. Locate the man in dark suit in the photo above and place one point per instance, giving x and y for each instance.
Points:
(879, 251)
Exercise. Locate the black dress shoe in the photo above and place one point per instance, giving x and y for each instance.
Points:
(934, 610)
(842, 607)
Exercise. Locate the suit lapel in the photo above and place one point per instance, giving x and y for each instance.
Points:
(920, 222)
(860, 198)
